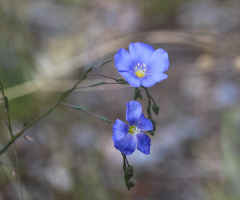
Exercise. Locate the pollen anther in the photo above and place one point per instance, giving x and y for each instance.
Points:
(133, 130)
(140, 70)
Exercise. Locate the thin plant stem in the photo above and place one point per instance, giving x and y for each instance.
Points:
(19, 134)
(148, 95)
(100, 83)
(9, 125)
(107, 61)
(62, 97)
(103, 76)
(125, 157)
(87, 112)
(7, 109)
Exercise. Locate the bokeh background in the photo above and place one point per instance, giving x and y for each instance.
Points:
(46, 45)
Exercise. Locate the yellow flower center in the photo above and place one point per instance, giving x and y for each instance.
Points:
(140, 73)
(133, 130)
(140, 70)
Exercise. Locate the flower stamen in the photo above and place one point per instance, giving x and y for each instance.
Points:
(133, 130)
(140, 70)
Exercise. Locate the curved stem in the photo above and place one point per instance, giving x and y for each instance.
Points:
(103, 76)
(13, 139)
(148, 95)
(107, 61)
(100, 83)
(62, 97)
(87, 112)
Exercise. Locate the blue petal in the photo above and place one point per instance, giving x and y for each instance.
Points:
(134, 112)
(145, 124)
(143, 143)
(140, 52)
(159, 61)
(131, 78)
(127, 145)
(157, 65)
(149, 81)
(123, 60)
(120, 130)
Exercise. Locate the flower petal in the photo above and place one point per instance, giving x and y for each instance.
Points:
(149, 81)
(143, 143)
(131, 78)
(123, 60)
(144, 124)
(120, 130)
(134, 112)
(157, 65)
(127, 145)
(158, 62)
(140, 52)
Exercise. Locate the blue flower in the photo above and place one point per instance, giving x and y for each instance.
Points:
(127, 137)
(142, 65)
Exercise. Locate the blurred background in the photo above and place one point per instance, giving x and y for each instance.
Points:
(46, 45)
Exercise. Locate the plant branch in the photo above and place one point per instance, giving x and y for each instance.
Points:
(87, 112)
(107, 61)
(100, 83)
(148, 95)
(62, 97)
(103, 76)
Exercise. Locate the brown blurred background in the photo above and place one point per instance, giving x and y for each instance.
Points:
(46, 45)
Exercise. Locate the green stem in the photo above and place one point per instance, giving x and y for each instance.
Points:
(103, 76)
(149, 104)
(7, 108)
(87, 112)
(107, 61)
(148, 95)
(14, 138)
(62, 97)
(100, 83)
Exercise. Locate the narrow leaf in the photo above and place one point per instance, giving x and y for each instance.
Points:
(96, 84)
(120, 80)
(89, 70)
(63, 95)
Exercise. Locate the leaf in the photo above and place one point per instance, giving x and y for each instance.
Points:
(107, 61)
(78, 107)
(120, 80)
(63, 95)
(84, 75)
(106, 120)
(96, 84)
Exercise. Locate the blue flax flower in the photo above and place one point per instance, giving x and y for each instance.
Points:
(127, 137)
(142, 65)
